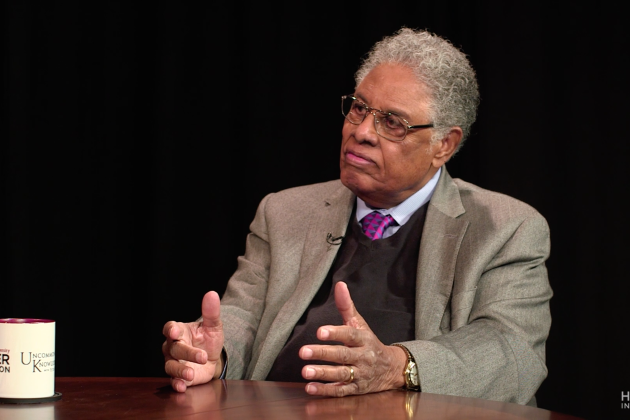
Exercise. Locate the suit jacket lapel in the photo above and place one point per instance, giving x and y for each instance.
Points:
(441, 238)
(317, 258)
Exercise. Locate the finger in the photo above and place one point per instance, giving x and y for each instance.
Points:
(175, 332)
(179, 350)
(172, 331)
(178, 370)
(336, 354)
(178, 385)
(346, 307)
(211, 325)
(323, 373)
(211, 311)
(349, 336)
(166, 350)
(189, 373)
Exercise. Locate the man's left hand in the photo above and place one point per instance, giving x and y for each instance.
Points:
(376, 367)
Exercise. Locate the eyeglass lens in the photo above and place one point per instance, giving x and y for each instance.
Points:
(387, 125)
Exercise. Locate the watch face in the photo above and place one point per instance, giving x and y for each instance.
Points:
(412, 370)
(414, 379)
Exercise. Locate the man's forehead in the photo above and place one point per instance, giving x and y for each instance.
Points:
(393, 88)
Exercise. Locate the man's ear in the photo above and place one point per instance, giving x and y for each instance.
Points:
(447, 146)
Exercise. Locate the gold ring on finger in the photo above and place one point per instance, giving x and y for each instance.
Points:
(349, 381)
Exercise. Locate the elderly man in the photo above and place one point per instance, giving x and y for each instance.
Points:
(394, 276)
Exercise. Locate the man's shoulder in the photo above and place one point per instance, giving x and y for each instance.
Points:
(474, 195)
(310, 193)
(492, 219)
(321, 187)
(295, 206)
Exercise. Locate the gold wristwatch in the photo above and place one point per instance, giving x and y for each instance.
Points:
(412, 381)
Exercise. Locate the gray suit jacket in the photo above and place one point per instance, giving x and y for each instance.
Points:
(482, 293)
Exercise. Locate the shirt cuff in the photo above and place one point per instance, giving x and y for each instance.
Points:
(225, 363)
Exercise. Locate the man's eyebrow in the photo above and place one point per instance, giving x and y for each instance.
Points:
(359, 97)
(398, 112)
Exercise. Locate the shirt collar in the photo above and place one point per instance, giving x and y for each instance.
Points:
(402, 212)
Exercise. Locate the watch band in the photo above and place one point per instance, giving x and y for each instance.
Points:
(412, 380)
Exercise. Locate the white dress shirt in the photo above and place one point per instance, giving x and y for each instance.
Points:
(402, 212)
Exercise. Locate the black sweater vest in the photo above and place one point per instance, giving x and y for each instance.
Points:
(381, 277)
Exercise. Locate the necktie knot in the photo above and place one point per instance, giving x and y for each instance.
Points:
(374, 224)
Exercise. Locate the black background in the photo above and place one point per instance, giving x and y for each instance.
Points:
(138, 139)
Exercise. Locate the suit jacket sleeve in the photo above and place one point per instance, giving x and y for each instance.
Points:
(492, 336)
(243, 302)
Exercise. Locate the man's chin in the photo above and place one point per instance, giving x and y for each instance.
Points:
(359, 189)
(352, 182)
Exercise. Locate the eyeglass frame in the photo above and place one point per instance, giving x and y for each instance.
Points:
(371, 109)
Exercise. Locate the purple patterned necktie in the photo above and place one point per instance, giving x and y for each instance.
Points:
(374, 224)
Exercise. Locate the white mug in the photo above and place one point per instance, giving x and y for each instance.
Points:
(27, 358)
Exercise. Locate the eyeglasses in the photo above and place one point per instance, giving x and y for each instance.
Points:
(388, 125)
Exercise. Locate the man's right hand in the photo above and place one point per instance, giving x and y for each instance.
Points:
(192, 351)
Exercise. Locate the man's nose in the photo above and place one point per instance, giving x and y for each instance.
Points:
(366, 130)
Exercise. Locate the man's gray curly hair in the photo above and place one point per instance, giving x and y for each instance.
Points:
(443, 68)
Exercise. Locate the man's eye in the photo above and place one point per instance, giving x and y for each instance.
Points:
(358, 108)
(393, 122)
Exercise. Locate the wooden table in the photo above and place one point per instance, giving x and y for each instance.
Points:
(153, 398)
